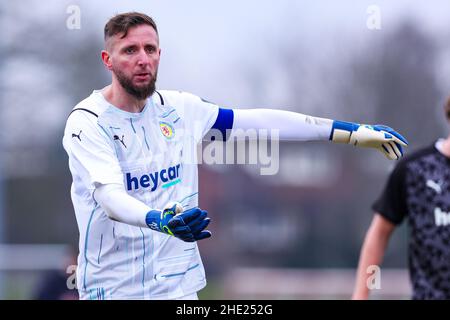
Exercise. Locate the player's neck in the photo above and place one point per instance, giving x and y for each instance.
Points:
(118, 97)
(446, 147)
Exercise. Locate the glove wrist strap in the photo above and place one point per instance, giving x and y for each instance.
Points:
(341, 131)
(153, 220)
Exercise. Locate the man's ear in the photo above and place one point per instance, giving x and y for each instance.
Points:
(106, 58)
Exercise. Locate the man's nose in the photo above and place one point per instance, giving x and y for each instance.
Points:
(143, 58)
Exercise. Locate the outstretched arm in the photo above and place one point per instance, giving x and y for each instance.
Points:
(300, 127)
(290, 125)
(372, 252)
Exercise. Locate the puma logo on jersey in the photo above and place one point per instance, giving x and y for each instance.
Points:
(77, 135)
(441, 218)
(433, 185)
(116, 137)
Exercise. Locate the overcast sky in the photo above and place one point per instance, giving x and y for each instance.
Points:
(206, 40)
(203, 42)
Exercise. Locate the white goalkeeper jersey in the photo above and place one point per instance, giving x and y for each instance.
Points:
(153, 154)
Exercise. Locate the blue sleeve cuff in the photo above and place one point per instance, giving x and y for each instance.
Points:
(224, 122)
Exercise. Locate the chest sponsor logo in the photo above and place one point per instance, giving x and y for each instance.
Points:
(164, 178)
(441, 218)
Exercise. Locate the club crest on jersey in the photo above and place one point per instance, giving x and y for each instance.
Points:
(167, 130)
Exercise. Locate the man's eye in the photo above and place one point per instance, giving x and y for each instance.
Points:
(129, 50)
(150, 49)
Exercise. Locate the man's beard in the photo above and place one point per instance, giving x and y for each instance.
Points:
(141, 92)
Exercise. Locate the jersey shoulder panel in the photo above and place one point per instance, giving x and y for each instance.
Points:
(94, 104)
(418, 154)
(87, 111)
(83, 119)
(169, 98)
(401, 167)
(174, 98)
(392, 202)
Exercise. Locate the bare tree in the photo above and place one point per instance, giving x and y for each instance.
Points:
(397, 75)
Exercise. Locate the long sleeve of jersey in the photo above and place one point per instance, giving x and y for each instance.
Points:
(289, 125)
(120, 206)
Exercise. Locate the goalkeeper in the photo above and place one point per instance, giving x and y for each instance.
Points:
(134, 190)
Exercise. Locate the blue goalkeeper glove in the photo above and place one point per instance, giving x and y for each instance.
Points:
(188, 226)
(196, 219)
(380, 137)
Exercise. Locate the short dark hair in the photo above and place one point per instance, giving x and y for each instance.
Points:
(123, 22)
